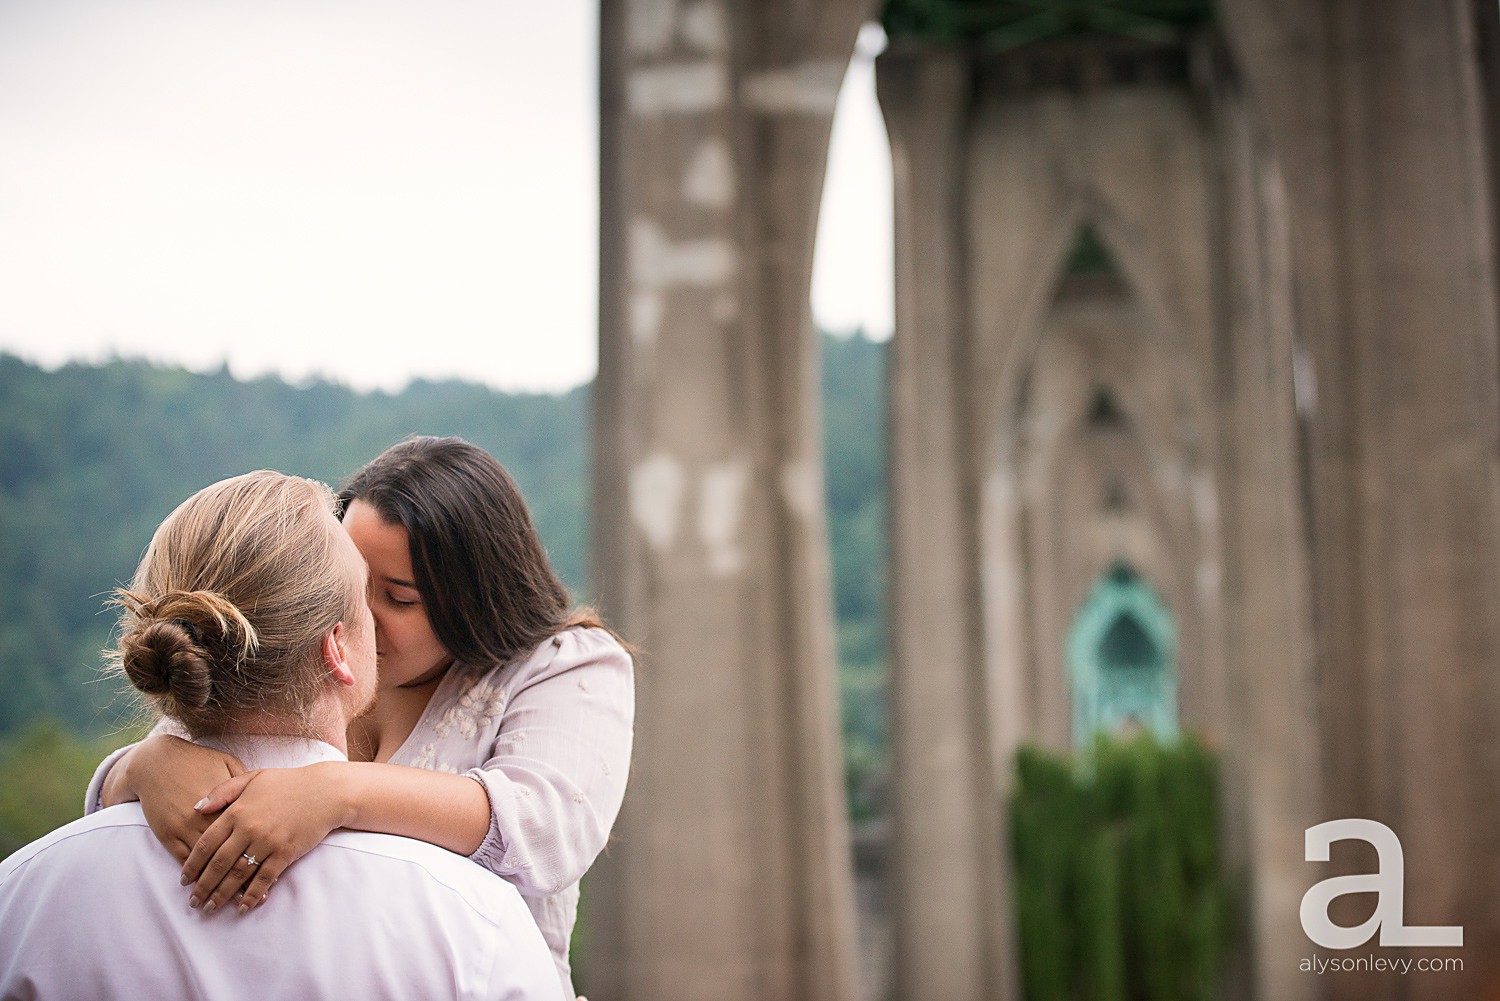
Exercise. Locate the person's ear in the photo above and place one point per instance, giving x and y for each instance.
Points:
(336, 655)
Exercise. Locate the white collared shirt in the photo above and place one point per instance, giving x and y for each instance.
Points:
(96, 910)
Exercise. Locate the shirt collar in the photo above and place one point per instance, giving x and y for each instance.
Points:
(262, 751)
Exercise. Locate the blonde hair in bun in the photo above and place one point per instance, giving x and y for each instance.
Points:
(226, 613)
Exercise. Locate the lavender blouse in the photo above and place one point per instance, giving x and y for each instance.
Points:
(549, 738)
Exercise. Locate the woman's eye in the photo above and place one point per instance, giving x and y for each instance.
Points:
(398, 601)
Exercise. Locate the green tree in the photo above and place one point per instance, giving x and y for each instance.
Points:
(854, 444)
(1120, 892)
(44, 770)
(94, 457)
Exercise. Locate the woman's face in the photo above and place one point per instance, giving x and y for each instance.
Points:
(408, 650)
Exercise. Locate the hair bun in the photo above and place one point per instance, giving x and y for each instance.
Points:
(165, 658)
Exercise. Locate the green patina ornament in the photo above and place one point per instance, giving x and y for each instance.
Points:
(1122, 654)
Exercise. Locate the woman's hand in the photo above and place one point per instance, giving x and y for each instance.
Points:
(169, 775)
(274, 816)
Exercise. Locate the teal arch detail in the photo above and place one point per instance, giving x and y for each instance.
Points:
(1122, 660)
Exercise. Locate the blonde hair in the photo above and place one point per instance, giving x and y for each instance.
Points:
(225, 616)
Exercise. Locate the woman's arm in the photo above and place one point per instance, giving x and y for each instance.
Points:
(168, 775)
(538, 810)
(277, 815)
(95, 799)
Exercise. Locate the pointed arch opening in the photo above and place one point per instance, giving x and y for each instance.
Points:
(1122, 660)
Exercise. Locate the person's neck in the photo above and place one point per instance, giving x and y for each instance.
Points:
(381, 730)
(329, 724)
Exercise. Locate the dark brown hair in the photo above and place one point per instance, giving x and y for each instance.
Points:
(479, 564)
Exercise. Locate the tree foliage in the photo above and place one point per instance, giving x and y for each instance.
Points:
(44, 770)
(93, 458)
(854, 440)
(1120, 892)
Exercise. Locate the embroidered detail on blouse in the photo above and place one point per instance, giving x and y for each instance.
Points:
(578, 797)
(444, 727)
(475, 710)
(426, 758)
(583, 686)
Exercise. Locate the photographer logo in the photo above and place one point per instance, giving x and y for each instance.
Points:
(1386, 883)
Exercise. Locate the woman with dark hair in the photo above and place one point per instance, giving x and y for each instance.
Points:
(511, 713)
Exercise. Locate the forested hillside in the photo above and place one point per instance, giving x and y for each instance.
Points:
(93, 457)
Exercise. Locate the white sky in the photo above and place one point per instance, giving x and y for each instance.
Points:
(367, 190)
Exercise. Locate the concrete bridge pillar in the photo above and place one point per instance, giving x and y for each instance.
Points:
(1381, 116)
(730, 876)
(953, 934)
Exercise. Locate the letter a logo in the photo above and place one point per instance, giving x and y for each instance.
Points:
(1387, 884)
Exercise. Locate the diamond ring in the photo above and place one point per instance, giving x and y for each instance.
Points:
(250, 859)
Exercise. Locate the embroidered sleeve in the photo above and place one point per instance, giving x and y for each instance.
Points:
(557, 770)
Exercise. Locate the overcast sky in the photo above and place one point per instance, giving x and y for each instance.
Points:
(369, 190)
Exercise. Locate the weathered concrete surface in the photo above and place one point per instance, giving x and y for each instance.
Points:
(1007, 505)
(1276, 777)
(1132, 162)
(1381, 120)
(952, 910)
(730, 876)
(1310, 264)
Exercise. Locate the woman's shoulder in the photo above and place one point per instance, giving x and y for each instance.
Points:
(578, 646)
(573, 648)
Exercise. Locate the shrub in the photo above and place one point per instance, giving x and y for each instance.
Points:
(1120, 894)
